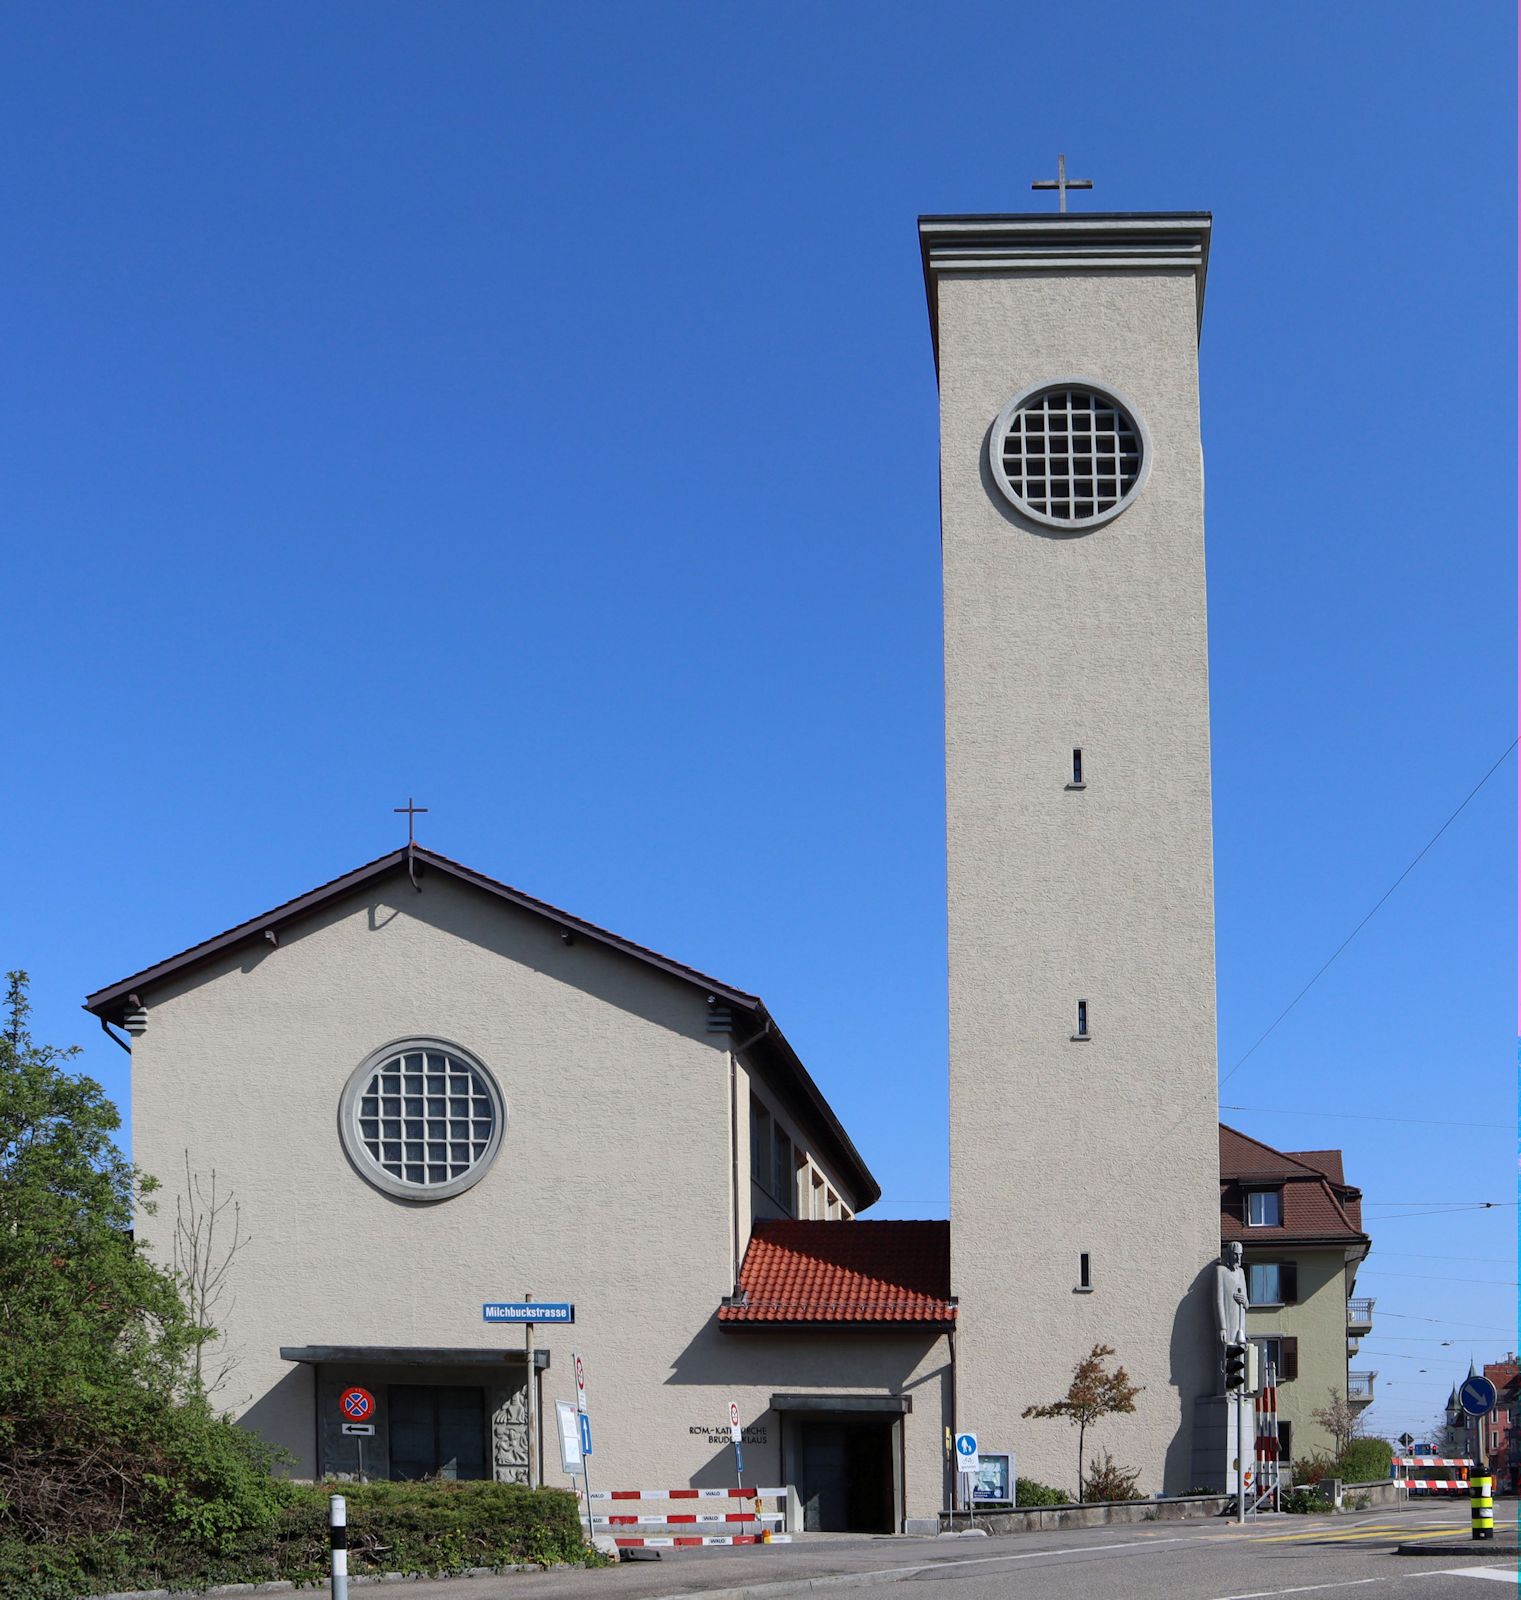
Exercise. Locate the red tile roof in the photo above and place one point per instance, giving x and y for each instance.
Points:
(1316, 1205)
(1328, 1161)
(882, 1274)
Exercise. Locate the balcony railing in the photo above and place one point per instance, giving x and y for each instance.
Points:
(1360, 1388)
(1359, 1317)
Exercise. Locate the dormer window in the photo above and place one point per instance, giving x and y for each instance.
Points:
(1264, 1208)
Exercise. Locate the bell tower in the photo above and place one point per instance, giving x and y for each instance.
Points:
(1084, 1146)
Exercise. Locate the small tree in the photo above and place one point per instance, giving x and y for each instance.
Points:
(1340, 1418)
(1093, 1393)
(208, 1234)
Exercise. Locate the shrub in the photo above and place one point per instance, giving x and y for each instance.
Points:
(1311, 1469)
(1109, 1481)
(414, 1528)
(1300, 1501)
(1027, 1492)
(1365, 1460)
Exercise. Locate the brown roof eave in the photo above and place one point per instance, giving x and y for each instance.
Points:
(1329, 1240)
(802, 1325)
(112, 1002)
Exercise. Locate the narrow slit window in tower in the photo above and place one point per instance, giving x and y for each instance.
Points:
(1084, 1272)
(1077, 769)
(1082, 1020)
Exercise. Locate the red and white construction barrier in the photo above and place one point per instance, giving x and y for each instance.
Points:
(1269, 1468)
(677, 1519)
(1448, 1483)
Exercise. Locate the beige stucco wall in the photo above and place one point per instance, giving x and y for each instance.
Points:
(1096, 641)
(614, 1186)
(1318, 1319)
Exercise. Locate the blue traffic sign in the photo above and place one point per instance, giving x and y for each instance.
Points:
(739, 1459)
(1478, 1396)
(585, 1433)
(521, 1311)
(966, 1444)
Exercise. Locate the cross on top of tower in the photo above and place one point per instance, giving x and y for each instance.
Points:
(1062, 183)
(411, 813)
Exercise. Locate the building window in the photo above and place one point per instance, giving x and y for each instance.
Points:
(1264, 1208)
(1084, 1272)
(421, 1119)
(1068, 455)
(760, 1144)
(1262, 1284)
(1077, 769)
(783, 1173)
(1270, 1351)
(1285, 1441)
(1082, 1020)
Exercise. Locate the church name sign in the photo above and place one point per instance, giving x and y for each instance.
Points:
(751, 1435)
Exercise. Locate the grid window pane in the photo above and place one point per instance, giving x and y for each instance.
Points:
(438, 1119)
(1070, 454)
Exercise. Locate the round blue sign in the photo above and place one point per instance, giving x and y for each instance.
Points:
(966, 1444)
(1478, 1396)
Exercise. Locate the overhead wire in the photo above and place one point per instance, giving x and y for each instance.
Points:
(1356, 1116)
(1325, 965)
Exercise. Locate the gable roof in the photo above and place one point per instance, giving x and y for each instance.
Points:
(1328, 1161)
(1318, 1208)
(845, 1274)
(765, 1042)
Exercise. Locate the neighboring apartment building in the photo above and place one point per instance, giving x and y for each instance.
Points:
(1501, 1439)
(1299, 1224)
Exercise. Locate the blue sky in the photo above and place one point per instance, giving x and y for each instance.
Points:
(532, 410)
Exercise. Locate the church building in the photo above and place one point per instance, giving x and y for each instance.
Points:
(430, 1092)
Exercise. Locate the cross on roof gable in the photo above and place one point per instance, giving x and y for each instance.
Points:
(766, 1040)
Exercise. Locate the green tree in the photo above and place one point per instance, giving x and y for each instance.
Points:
(101, 1420)
(1094, 1393)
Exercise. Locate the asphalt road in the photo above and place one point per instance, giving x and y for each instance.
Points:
(1286, 1556)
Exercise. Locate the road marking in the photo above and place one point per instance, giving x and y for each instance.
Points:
(1308, 1588)
(866, 1576)
(1498, 1574)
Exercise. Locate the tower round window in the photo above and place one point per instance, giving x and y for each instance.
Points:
(1068, 454)
(421, 1119)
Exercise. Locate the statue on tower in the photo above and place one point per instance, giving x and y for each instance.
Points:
(1231, 1299)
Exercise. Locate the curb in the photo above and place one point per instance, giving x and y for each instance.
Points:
(290, 1586)
(1483, 1549)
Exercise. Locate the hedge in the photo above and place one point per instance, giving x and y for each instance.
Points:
(413, 1528)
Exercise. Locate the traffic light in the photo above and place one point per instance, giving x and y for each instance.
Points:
(1235, 1367)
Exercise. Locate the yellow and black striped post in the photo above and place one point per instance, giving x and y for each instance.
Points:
(1482, 1501)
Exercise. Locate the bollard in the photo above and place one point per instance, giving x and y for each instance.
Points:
(338, 1539)
(1482, 1502)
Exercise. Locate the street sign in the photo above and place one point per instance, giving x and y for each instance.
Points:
(734, 1422)
(359, 1430)
(1407, 1439)
(966, 1453)
(580, 1384)
(739, 1459)
(1478, 1396)
(519, 1312)
(568, 1428)
(356, 1404)
(586, 1448)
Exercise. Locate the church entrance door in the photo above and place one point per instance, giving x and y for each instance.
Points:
(844, 1473)
(438, 1431)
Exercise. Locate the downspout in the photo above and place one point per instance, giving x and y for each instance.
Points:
(115, 1038)
(948, 1464)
